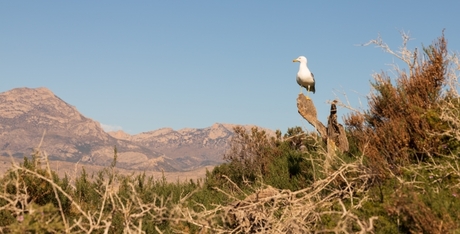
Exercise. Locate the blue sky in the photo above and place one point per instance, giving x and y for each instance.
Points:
(143, 65)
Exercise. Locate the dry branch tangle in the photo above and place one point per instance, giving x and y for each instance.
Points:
(271, 210)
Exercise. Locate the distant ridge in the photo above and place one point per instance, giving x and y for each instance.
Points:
(190, 147)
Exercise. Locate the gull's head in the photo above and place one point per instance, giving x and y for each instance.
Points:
(300, 59)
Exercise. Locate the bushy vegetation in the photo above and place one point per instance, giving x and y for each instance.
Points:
(401, 174)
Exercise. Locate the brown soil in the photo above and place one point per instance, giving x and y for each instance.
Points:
(74, 169)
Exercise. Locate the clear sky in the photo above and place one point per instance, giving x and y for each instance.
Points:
(143, 65)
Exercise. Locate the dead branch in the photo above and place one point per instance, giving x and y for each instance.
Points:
(334, 134)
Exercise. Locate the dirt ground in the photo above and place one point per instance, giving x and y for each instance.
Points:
(74, 169)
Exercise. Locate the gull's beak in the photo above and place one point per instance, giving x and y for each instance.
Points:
(295, 60)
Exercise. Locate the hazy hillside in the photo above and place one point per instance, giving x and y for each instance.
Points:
(189, 147)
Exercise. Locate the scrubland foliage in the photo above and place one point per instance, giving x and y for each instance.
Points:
(403, 120)
(409, 139)
(401, 174)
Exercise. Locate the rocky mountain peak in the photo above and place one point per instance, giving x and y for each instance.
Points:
(39, 110)
(19, 101)
(26, 114)
(218, 130)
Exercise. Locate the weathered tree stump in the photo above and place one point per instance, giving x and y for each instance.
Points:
(334, 134)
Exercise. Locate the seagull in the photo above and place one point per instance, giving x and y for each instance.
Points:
(304, 77)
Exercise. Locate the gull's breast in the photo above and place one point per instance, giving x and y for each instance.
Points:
(305, 78)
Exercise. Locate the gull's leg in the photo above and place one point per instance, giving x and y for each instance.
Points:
(308, 92)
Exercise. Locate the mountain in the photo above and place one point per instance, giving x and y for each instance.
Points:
(28, 114)
(189, 147)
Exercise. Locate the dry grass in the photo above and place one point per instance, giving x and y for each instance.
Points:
(90, 220)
